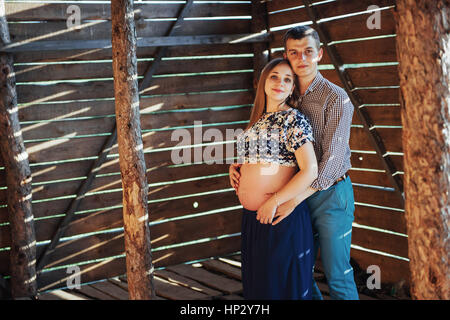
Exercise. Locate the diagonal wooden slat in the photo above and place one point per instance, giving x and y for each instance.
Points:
(86, 184)
(162, 51)
(74, 205)
(361, 112)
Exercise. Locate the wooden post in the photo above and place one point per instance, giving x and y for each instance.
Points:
(423, 50)
(18, 178)
(260, 50)
(131, 155)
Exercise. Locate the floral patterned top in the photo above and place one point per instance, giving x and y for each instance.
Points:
(274, 138)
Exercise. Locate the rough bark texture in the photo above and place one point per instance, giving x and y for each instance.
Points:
(131, 155)
(424, 55)
(18, 181)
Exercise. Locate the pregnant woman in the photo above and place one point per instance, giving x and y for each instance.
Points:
(277, 162)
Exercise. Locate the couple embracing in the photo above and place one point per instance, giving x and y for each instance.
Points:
(291, 179)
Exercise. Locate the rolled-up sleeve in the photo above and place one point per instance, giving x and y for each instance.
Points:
(334, 142)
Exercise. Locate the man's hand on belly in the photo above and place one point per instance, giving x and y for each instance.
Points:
(284, 210)
(266, 211)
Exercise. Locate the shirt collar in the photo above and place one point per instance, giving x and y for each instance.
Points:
(317, 80)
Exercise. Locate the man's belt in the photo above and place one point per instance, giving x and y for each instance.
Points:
(340, 179)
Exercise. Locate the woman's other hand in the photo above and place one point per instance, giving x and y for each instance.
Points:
(266, 212)
(235, 175)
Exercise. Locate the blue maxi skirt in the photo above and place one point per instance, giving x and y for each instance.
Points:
(277, 261)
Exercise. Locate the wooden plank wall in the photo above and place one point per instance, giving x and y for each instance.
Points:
(379, 233)
(66, 110)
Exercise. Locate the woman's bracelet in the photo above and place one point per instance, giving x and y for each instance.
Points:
(276, 200)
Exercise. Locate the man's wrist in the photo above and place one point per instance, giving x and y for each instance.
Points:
(301, 197)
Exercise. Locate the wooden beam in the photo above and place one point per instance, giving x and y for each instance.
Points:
(131, 153)
(361, 112)
(168, 41)
(162, 51)
(18, 178)
(424, 62)
(96, 10)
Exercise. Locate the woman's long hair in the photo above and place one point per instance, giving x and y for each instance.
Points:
(259, 105)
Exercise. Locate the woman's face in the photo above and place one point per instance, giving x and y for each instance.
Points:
(279, 83)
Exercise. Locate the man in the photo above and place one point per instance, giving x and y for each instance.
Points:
(330, 196)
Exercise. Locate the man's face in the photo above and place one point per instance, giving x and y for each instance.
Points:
(303, 56)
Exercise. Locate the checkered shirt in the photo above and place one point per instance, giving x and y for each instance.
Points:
(330, 111)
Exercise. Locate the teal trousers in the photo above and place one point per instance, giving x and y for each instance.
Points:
(332, 214)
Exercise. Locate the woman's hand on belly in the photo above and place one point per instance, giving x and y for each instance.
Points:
(267, 211)
(234, 175)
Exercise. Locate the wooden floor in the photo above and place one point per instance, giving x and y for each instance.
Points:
(208, 280)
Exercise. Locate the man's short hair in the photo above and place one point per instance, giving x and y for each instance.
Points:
(299, 32)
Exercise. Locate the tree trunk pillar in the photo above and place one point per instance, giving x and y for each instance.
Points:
(131, 154)
(18, 178)
(423, 50)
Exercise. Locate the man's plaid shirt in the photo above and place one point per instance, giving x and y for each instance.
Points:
(330, 111)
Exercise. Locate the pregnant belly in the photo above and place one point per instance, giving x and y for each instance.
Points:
(259, 181)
